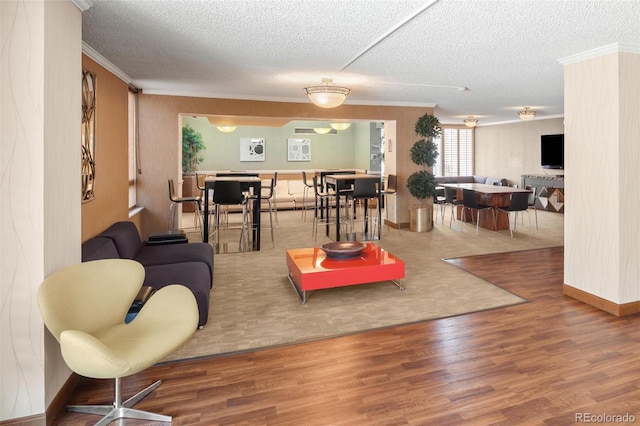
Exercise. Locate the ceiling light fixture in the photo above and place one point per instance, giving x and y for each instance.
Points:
(226, 129)
(340, 126)
(327, 95)
(527, 114)
(470, 121)
(322, 130)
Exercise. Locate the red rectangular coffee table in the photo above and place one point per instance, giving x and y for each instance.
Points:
(311, 269)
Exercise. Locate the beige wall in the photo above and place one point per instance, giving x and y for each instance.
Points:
(511, 150)
(629, 176)
(160, 136)
(602, 241)
(112, 182)
(41, 45)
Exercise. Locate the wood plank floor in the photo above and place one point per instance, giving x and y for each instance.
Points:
(545, 362)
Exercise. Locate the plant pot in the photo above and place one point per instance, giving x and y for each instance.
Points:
(420, 218)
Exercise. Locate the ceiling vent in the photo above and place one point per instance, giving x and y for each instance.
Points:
(310, 131)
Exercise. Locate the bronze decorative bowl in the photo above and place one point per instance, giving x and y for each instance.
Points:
(343, 249)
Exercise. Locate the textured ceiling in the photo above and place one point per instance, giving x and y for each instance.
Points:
(389, 52)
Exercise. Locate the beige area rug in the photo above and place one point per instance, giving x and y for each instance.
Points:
(253, 304)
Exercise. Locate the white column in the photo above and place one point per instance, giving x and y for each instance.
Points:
(40, 213)
(602, 154)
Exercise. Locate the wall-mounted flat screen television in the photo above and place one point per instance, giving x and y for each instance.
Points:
(552, 151)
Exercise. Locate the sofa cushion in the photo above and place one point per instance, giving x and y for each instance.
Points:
(457, 179)
(192, 275)
(177, 253)
(126, 238)
(493, 181)
(466, 179)
(471, 179)
(295, 188)
(99, 248)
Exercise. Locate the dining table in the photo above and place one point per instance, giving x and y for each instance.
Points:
(247, 183)
(338, 180)
(322, 174)
(495, 196)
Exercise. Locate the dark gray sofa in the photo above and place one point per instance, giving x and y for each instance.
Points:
(188, 264)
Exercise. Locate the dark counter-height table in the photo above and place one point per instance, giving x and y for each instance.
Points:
(247, 183)
(338, 181)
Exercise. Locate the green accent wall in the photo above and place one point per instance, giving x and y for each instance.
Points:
(347, 149)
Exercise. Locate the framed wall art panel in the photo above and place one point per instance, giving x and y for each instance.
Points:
(252, 149)
(299, 149)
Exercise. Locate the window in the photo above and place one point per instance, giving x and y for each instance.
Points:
(456, 152)
(133, 147)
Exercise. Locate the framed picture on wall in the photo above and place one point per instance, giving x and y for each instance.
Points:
(252, 149)
(299, 149)
(88, 136)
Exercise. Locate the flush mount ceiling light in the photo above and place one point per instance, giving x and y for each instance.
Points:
(340, 126)
(470, 121)
(226, 129)
(327, 95)
(527, 114)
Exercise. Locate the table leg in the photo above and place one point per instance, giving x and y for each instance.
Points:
(301, 293)
(398, 283)
(256, 219)
(205, 222)
(365, 228)
(380, 198)
(337, 214)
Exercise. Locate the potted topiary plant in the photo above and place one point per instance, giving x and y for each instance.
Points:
(422, 184)
(192, 144)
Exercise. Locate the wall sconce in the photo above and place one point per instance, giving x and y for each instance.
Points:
(226, 129)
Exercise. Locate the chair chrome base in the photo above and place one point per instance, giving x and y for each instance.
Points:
(122, 410)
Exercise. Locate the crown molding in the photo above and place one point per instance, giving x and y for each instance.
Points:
(93, 54)
(518, 120)
(82, 4)
(305, 100)
(600, 51)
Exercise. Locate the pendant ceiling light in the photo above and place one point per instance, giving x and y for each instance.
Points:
(340, 126)
(470, 121)
(327, 95)
(226, 129)
(527, 114)
(322, 130)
